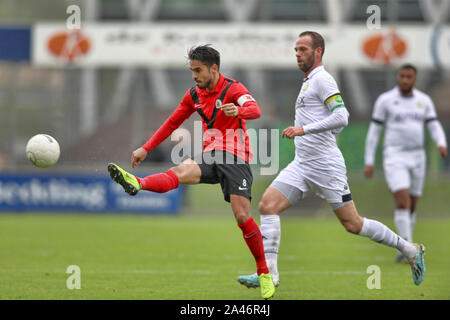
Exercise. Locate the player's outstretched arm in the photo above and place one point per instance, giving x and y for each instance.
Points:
(230, 110)
(373, 135)
(291, 132)
(138, 156)
(244, 106)
(368, 171)
(435, 128)
(181, 113)
(336, 120)
(249, 111)
(372, 138)
(438, 135)
(443, 151)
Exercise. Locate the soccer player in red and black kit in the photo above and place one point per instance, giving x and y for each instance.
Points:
(224, 105)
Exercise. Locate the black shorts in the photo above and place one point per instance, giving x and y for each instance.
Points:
(234, 174)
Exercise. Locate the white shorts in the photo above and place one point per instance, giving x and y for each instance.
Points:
(405, 170)
(326, 177)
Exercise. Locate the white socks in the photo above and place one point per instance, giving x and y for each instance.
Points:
(413, 223)
(271, 234)
(378, 232)
(402, 221)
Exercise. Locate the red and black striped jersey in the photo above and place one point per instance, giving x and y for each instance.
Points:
(220, 131)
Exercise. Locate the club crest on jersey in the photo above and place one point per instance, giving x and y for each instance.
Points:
(218, 103)
(306, 86)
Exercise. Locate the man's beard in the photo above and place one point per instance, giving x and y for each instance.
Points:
(308, 66)
(406, 92)
(205, 85)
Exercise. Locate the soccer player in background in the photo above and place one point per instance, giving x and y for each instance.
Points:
(404, 111)
(224, 105)
(319, 166)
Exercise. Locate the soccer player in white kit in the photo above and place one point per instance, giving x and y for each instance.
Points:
(319, 166)
(404, 111)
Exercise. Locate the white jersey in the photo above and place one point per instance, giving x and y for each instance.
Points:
(404, 119)
(319, 96)
(318, 165)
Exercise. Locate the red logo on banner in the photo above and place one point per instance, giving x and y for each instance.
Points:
(69, 45)
(385, 47)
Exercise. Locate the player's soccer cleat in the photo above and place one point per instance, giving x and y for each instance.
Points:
(267, 287)
(128, 181)
(252, 281)
(418, 264)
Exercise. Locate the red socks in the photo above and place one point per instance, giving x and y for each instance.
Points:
(253, 238)
(160, 182)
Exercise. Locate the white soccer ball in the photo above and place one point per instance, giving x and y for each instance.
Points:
(43, 150)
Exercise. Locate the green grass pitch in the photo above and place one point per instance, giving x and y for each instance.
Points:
(199, 257)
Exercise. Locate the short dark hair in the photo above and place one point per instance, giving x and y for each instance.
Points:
(206, 54)
(317, 40)
(408, 66)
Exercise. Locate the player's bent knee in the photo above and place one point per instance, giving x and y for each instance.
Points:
(402, 199)
(267, 207)
(402, 204)
(187, 172)
(262, 207)
(351, 228)
(241, 217)
(177, 170)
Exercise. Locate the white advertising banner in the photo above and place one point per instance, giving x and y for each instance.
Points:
(240, 45)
